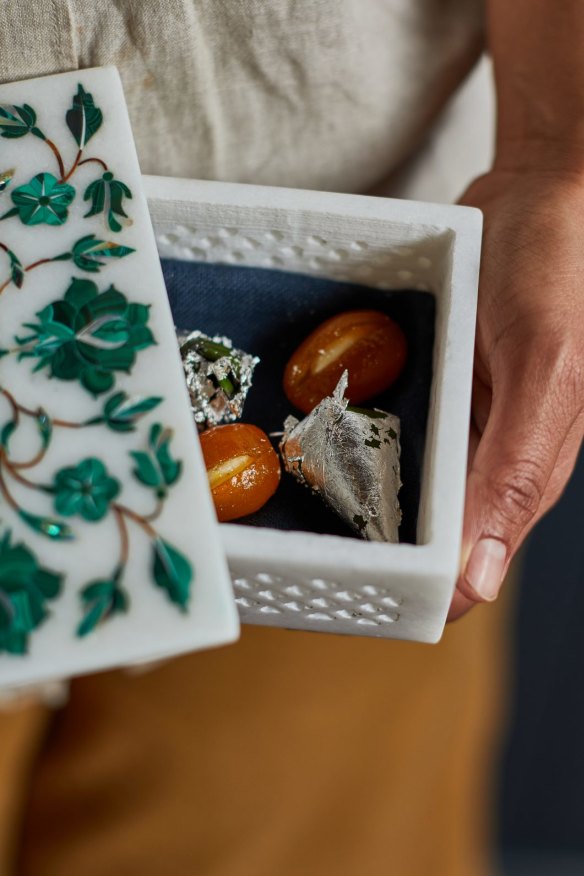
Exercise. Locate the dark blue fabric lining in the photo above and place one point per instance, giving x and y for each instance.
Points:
(268, 313)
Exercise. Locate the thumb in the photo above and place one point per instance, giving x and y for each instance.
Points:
(530, 416)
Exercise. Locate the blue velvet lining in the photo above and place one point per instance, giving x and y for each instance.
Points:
(268, 313)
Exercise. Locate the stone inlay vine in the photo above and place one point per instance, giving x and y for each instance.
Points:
(88, 335)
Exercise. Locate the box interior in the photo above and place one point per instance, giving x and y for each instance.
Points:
(245, 226)
(268, 313)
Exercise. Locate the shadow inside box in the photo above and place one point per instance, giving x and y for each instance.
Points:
(268, 313)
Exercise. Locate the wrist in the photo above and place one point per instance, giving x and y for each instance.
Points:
(548, 156)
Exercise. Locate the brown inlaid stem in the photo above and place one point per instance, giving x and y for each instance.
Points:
(150, 518)
(142, 522)
(96, 160)
(16, 408)
(57, 155)
(124, 538)
(72, 169)
(37, 264)
(4, 489)
(9, 281)
(14, 473)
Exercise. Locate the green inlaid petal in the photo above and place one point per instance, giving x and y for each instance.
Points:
(172, 572)
(88, 335)
(16, 121)
(85, 490)
(89, 253)
(25, 587)
(44, 200)
(48, 526)
(84, 119)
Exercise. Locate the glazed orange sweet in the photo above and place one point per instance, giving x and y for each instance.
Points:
(242, 467)
(367, 343)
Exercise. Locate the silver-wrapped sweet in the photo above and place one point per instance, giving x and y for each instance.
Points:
(218, 377)
(350, 458)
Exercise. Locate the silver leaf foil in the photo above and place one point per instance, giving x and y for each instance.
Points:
(217, 384)
(351, 460)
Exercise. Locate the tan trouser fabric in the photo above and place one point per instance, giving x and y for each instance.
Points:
(290, 753)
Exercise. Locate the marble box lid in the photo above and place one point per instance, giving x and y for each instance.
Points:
(109, 548)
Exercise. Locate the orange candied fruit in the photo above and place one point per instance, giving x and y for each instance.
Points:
(242, 467)
(366, 343)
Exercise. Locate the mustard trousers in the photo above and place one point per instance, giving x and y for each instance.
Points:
(288, 754)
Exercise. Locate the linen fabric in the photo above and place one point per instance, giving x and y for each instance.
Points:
(323, 94)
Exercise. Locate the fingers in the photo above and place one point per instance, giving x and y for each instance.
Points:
(521, 464)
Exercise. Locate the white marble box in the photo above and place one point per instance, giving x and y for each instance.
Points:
(327, 583)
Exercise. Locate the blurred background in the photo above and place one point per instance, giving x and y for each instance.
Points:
(541, 804)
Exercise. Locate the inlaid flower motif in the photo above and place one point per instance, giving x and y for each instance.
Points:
(85, 490)
(107, 196)
(88, 336)
(25, 588)
(42, 201)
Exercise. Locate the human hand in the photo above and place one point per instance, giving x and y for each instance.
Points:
(528, 388)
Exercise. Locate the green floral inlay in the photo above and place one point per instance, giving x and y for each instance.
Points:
(25, 589)
(107, 195)
(121, 413)
(6, 177)
(156, 468)
(17, 121)
(101, 601)
(89, 254)
(16, 269)
(44, 200)
(171, 570)
(85, 490)
(88, 336)
(84, 119)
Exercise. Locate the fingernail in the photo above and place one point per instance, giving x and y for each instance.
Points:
(484, 570)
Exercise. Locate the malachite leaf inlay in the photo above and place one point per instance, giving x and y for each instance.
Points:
(84, 119)
(85, 490)
(156, 468)
(6, 177)
(6, 432)
(44, 200)
(47, 526)
(121, 413)
(90, 253)
(16, 269)
(107, 196)
(101, 601)
(172, 572)
(45, 428)
(25, 589)
(88, 336)
(17, 121)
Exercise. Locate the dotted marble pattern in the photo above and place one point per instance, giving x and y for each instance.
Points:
(355, 261)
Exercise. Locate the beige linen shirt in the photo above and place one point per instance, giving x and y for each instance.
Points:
(326, 94)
